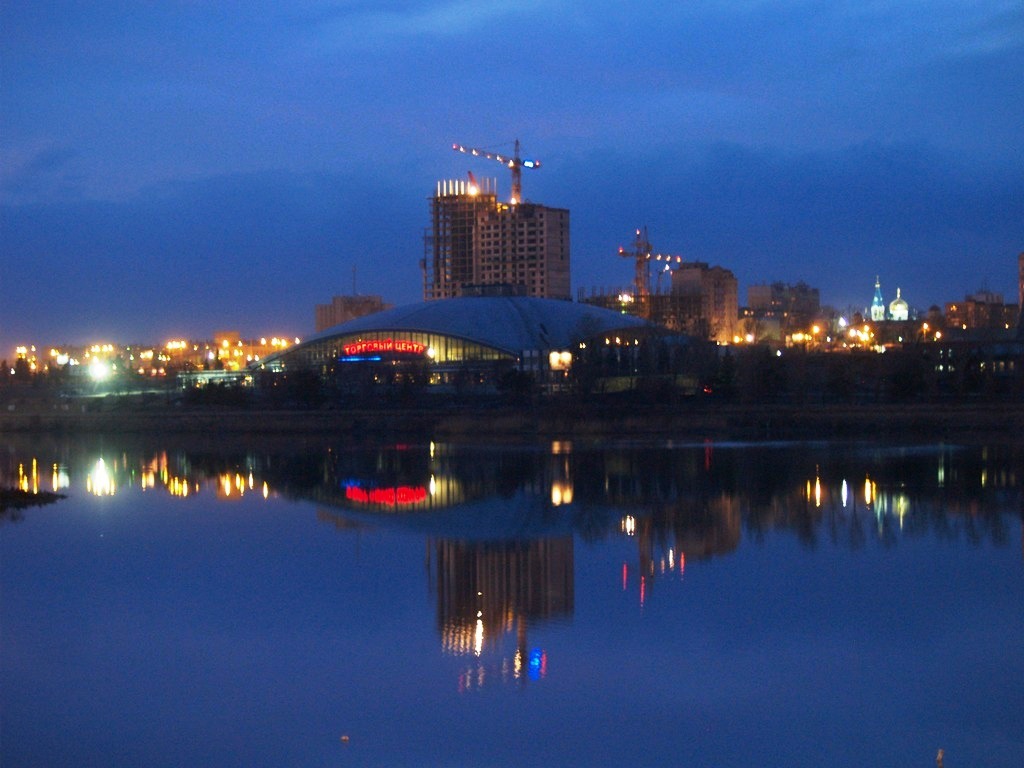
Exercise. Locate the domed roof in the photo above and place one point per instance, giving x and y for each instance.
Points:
(897, 303)
(510, 323)
(898, 308)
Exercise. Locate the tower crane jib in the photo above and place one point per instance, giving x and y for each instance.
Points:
(515, 164)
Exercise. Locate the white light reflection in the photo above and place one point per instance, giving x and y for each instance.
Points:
(100, 482)
(478, 635)
(60, 479)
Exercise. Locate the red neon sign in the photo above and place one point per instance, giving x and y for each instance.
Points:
(403, 346)
(388, 497)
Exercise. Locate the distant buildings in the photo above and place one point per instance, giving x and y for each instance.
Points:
(227, 351)
(345, 308)
(706, 302)
(780, 309)
(701, 301)
(983, 310)
(477, 245)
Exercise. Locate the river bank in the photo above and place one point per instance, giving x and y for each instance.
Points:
(947, 421)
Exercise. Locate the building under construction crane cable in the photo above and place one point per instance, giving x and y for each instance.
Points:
(514, 163)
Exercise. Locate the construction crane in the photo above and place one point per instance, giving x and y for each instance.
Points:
(641, 255)
(514, 163)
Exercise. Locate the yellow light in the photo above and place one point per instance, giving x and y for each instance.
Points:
(749, 338)
(561, 493)
(816, 329)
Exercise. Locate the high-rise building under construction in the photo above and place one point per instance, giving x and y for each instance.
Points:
(479, 245)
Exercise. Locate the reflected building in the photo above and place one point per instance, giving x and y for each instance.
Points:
(489, 590)
(490, 594)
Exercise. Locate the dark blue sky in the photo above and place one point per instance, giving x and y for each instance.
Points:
(192, 167)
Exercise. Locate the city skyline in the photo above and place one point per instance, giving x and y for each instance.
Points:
(167, 172)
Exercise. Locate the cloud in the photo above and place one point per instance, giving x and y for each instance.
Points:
(387, 25)
(29, 173)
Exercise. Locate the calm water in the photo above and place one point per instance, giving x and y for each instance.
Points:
(330, 604)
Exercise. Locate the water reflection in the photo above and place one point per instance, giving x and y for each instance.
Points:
(694, 500)
(501, 521)
(403, 573)
(490, 593)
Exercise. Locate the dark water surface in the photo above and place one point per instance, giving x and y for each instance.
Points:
(329, 604)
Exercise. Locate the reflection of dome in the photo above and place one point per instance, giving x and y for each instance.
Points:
(898, 309)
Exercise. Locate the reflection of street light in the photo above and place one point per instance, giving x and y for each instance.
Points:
(100, 482)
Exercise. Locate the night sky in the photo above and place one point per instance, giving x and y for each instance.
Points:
(180, 168)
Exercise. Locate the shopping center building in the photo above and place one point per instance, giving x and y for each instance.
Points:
(464, 342)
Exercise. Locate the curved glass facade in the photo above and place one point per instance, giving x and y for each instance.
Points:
(392, 356)
(373, 346)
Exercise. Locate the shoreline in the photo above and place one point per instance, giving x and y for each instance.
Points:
(942, 421)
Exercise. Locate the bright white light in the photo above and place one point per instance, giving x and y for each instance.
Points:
(478, 636)
(99, 369)
(100, 481)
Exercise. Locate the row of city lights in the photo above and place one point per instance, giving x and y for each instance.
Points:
(102, 360)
